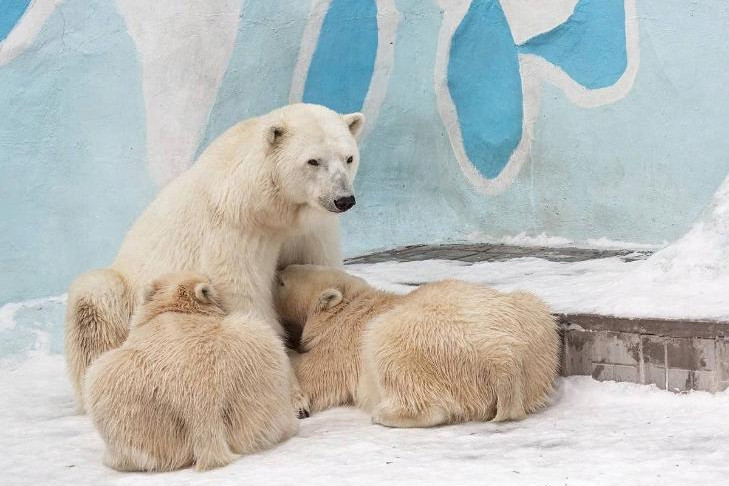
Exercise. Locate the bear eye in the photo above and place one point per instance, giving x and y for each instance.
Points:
(313, 162)
(350, 159)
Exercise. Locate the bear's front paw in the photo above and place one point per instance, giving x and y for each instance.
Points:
(302, 407)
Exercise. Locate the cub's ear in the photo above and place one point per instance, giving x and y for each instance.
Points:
(355, 122)
(150, 290)
(329, 298)
(275, 134)
(205, 293)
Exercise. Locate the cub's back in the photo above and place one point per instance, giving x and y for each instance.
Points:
(453, 314)
(456, 338)
(471, 304)
(233, 344)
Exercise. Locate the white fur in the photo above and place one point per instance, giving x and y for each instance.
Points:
(251, 192)
(449, 351)
(191, 384)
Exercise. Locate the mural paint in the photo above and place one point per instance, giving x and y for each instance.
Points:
(183, 59)
(20, 23)
(485, 117)
(10, 13)
(483, 82)
(488, 86)
(263, 59)
(589, 46)
(344, 60)
(71, 149)
(329, 38)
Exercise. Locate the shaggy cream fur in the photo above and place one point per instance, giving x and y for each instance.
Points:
(191, 384)
(447, 352)
(264, 191)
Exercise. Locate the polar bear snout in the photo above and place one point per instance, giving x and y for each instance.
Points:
(337, 194)
(344, 203)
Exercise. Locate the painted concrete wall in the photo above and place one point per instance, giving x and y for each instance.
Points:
(575, 118)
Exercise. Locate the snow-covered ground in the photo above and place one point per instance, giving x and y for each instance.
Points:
(593, 434)
(607, 286)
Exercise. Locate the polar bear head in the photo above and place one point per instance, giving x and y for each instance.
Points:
(315, 153)
(304, 290)
(181, 292)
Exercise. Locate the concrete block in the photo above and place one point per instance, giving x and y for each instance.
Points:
(603, 372)
(616, 348)
(577, 349)
(562, 352)
(678, 380)
(691, 354)
(654, 375)
(629, 374)
(722, 359)
(705, 381)
(654, 350)
(685, 380)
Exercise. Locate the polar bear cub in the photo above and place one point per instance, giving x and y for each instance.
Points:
(191, 384)
(447, 352)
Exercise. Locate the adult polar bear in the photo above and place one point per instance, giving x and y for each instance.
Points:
(265, 191)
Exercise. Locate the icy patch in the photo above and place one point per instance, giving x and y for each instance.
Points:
(593, 434)
(608, 286)
(545, 240)
(31, 328)
(608, 244)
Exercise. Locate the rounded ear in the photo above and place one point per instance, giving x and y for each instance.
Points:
(149, 291)
(329, 298)
(204, 293)
(275, 133)
(355, 122)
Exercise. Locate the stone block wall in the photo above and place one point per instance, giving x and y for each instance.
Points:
(673, 355)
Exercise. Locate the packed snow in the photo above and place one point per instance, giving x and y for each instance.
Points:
(608, 286)
(545, 240)
(593, 434)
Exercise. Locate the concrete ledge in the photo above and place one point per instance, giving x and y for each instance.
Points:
(676, 355)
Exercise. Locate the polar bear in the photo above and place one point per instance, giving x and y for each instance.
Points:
(448, 352)
(274, 181)
(191, 384)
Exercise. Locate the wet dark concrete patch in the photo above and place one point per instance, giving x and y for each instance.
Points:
(484, 252)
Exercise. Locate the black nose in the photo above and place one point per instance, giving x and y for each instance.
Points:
(344, 203)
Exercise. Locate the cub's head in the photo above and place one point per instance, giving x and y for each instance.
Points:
(303, 292)
(188, 293)
(316, 155)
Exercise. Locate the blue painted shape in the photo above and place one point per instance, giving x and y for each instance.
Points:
(589, 46)
(485, 85)
(342, 65)
(72, 150)
(10, 13)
